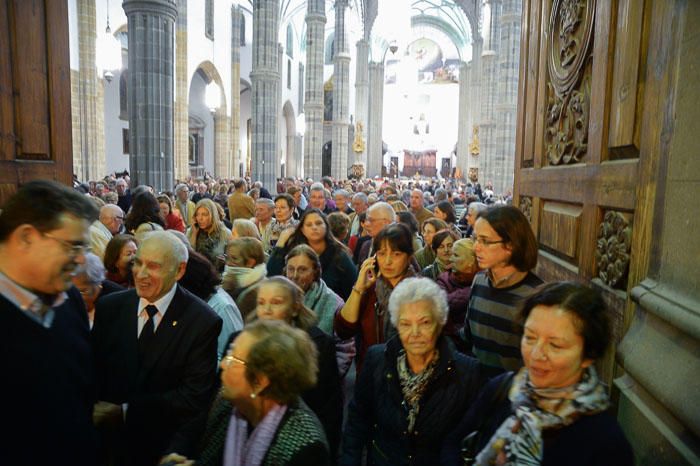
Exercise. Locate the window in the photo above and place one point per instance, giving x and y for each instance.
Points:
(330, 46)
(289, 74)
(290, 41)
(124, 96)
(209, 19)
(125, 141)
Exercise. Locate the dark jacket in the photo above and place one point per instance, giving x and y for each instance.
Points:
(594, 440)
(377, 416)
(457, 298)
(299, 439)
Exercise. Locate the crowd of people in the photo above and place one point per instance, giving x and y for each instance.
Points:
(224, 323)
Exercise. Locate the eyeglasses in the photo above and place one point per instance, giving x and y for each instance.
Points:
(74, 249)
(229, 359)
(291, 271)
(485, 242)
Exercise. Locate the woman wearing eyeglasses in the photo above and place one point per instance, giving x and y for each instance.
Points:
(442, 249)
(506, 251)
(259, 418)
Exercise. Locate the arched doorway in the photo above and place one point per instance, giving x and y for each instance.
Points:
(211, 134)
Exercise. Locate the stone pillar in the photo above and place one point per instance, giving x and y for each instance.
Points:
(503, 165)
(265, 79)
(361, 97)
(313, 99)
(222, 160)
(463, 130)
(151, 26)
(341, 94)
(376, 106)
(236, 155)
(91, 161)
(474, 112)
(182, 121)
(491, 152)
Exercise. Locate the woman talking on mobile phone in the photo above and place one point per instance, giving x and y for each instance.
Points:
(364, 315)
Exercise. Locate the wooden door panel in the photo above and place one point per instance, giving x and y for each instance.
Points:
(35, 111)
(578, 158)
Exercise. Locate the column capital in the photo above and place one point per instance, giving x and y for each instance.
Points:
(156, 7)
(315, 17)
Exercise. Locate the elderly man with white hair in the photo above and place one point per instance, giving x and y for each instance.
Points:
(155, 357)
(379, 215)
(109, 224)
(360, 204)
(264, 211)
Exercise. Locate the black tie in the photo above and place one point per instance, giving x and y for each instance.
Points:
(148, 330)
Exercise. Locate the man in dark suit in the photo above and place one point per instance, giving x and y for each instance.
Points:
(155, 357)
(48, 380)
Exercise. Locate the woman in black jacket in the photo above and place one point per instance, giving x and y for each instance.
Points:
(413, 390)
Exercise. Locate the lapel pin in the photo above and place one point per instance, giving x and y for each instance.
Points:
(174, 323)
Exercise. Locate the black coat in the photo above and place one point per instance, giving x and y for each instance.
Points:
(594, 440)
(377, 417)
(169, 391)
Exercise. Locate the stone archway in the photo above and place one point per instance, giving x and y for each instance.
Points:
(216, 157)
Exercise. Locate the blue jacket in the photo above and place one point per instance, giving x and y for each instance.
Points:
(377, 416)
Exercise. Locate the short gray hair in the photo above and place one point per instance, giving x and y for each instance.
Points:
(440, 195)
(181, 187)
(362, 197)
(317, 187)
(92, 269)
(268, 202)
(477, 207)
(412, 290)
(385, 208)
(176, 250)
(341, 192)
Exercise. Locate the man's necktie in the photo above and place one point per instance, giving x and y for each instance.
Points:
(148, 331)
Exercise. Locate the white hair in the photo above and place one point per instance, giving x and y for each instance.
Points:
(93, 269)
(172, 246)
(412, 290)
(384, 207)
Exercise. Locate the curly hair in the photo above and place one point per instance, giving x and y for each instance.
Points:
(285, 355)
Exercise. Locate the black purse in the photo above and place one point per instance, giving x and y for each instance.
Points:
(471, 442)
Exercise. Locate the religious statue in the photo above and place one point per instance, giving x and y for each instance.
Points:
(358, 145)
(474, 145)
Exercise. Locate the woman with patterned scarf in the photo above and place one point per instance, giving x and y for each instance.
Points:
(364, 315)
(554, 410)
(413, 390)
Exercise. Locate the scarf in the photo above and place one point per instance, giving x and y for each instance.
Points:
(383, 289)
(241, 450)
(441, 265)
(413, 386)
(323, 301)
(518, 441)
(243, 277)
(206, 245)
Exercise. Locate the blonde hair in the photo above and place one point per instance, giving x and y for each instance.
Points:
(466, 244)
(216, 225)
(245, 228)
(299, 315)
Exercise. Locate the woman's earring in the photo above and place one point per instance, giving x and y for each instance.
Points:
(253, 395)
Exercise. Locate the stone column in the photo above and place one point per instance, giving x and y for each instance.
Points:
(376, 106)
(182, 125)
(236, 153)
(91, 161)
(490, 150)
(508, 63)
(361, 97)
(474, 111)
(265, 79)
(463, 130)
(151, 26)
(341, 94)
(313, 100)
(221, 143)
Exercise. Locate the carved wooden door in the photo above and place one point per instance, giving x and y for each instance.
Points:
(578, 151)
(35, 110)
